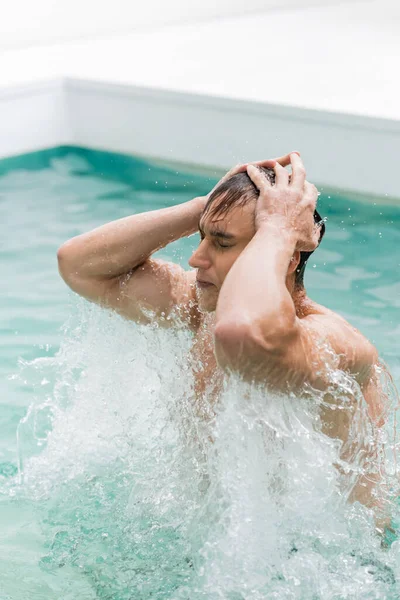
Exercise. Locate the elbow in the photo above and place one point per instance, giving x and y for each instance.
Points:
(62, 254)
(67, 260)
(230, 340)
(231, 333)
(239, 344)
(62, 259)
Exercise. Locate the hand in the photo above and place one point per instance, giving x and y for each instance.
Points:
(268, 163)
(290, 203)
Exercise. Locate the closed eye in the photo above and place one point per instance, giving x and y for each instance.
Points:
(218, 243)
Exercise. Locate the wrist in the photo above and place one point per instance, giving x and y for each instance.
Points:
(277, 227)
(192, 210)
(198, 204)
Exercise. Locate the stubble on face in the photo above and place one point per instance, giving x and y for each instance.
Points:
(207, 299)
(240, 222)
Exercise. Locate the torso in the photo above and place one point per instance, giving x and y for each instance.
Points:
(209, 378)
(335, 423)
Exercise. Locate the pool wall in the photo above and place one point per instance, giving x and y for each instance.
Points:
(353, 153)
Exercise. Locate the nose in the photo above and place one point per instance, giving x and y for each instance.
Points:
(200, 258)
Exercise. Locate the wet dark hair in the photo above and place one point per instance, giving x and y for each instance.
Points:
(238, 191)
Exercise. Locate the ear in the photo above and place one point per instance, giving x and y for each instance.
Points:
(294, 262)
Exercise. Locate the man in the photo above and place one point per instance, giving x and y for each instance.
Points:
(244, 299)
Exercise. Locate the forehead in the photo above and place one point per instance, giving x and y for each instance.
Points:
(238, 220)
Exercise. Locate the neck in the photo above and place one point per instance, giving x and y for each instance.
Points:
(296, 290)
(302, 303)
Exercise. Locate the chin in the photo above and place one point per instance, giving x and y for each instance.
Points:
(207, 301)
(207, 308)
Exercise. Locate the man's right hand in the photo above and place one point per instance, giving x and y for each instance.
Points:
(112, 264)
(268, 163)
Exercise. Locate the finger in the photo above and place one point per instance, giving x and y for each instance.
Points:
(316, 237)
(298, 171)
(257, 177)
(281, 175)
(235, 170)
(310, 193)
(267, 164)
(284, 161)
(239, 169)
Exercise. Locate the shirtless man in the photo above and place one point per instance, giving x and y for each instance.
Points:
(244, 299)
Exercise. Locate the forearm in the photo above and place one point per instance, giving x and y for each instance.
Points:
(117, 247)
(254, 292)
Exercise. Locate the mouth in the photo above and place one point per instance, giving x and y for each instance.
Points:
(204, 284)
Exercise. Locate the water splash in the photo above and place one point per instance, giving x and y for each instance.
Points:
(135, 497)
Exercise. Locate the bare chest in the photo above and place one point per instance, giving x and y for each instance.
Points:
(208, 381)
(208, 377)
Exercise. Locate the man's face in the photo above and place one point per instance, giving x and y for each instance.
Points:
(223, 238)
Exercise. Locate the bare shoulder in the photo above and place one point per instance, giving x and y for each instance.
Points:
(166, 290)
(355, 352)
(358, 356)
(155, 291)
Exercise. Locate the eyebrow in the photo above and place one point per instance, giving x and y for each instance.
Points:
(218, 233)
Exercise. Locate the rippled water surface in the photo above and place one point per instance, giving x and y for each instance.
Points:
(110, 485)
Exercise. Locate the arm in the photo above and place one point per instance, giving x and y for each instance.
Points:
(111, 265)
(257, 332)
(256, 322)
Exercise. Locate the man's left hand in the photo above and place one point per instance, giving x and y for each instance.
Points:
(289, 204)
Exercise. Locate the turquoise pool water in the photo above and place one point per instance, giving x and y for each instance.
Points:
(109, 501)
